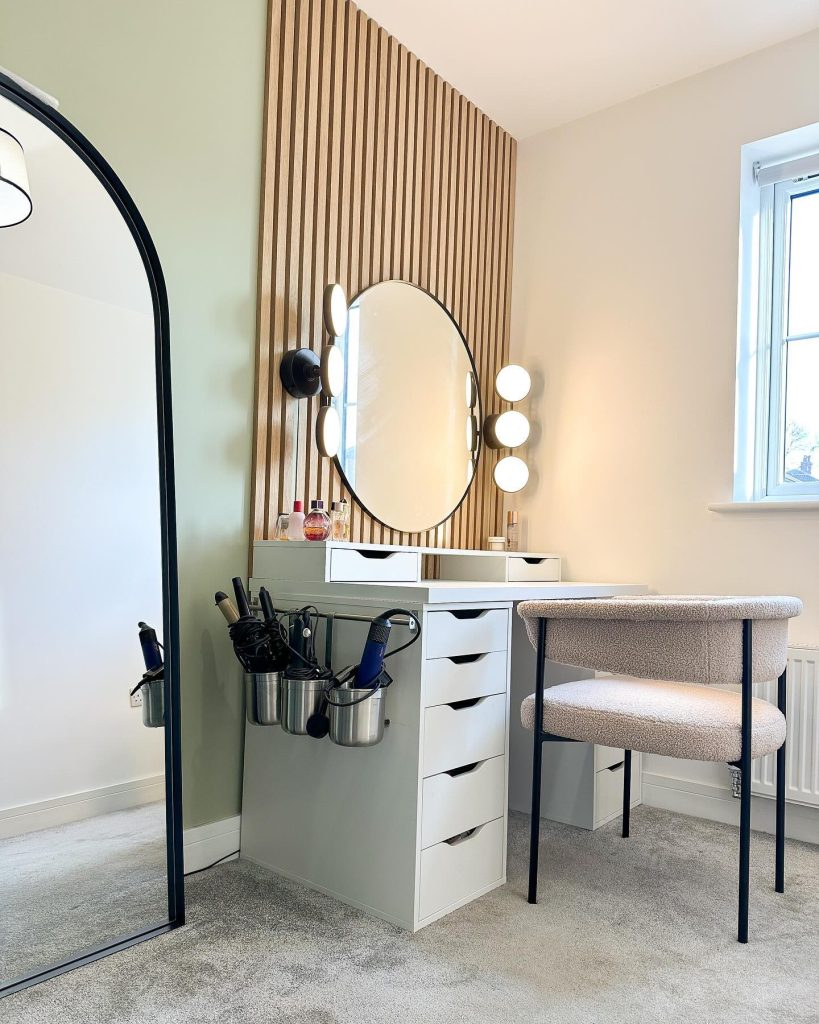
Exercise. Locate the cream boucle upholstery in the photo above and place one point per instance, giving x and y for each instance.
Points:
(688, 639)
(675, 719)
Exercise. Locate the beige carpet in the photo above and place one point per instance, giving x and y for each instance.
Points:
(627, 931)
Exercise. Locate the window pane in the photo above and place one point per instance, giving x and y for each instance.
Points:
(803, 304)
(802, 412)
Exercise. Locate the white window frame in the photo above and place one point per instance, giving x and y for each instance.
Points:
(761, 362)
(775, 339)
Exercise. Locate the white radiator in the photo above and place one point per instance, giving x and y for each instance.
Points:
(802, 747)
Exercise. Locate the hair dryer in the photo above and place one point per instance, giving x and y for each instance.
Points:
(151, 651)
(372, 658)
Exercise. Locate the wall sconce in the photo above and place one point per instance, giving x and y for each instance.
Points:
(303, 373)
(15, 200)
(509, 429)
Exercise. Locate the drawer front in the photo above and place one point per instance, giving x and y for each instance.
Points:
(451, 872)
(455, 736)
(454, 803)
(533, 570)
(446, 680)
(605, 757)
(350, 565)
(608, 792)
(451, 634)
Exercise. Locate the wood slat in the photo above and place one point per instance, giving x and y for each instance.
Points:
(373, 168)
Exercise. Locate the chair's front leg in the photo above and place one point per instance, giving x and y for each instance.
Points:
(781, 703)
(626, 793)
(745, 784)
(537, 759)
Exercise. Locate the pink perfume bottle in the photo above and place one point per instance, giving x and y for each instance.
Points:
(316, 522)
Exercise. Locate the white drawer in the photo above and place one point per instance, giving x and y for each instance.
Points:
(455, 736)
(608, 792)
(454, 803)
(353, 565)
(451, 872)
(479, 632)
(605, 757)
(446, 680)
(521, 569)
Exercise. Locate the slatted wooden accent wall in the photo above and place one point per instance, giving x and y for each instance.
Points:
(374, 168)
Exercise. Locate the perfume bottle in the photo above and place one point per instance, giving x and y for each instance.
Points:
(295, 523)
(282, 526)
(512, 535)
(339, 520)
(316, 522)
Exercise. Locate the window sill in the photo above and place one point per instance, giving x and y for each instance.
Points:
(786, 505)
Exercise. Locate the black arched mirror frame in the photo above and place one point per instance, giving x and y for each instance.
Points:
(65, 131)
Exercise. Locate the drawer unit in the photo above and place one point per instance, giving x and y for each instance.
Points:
(608, 788)
(451, 804)
(453, 871)
(463, 677)
(459, 735)
(450, 633)
(370, 565)
(533, 569)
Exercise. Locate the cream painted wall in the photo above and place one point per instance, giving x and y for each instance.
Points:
(171, 93)
(624, 308)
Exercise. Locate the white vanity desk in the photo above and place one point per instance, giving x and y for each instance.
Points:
(376, 827)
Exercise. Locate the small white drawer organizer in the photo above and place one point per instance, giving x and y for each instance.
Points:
(414, 827)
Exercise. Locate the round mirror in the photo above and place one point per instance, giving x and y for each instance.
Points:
(409, 408)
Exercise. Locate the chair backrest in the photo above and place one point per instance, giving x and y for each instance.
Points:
(679, 638)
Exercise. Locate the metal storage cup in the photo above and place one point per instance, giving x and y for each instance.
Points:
(300, 698)
(263, 698)
(153, 703)
(356, 724)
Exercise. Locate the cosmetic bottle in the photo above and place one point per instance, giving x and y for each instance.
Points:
(512, 536)
(338, 520)
(295, 527)
(316, 522)
(282, 526)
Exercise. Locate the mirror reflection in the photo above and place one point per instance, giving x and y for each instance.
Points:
(82, 790)
(409, 408)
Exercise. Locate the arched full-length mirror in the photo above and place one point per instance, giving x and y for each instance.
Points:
(84, 558)
(409, 409)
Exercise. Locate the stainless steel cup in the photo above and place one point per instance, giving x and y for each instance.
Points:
(360, 724)
(263, 697)
(300, 699)
(153, 703)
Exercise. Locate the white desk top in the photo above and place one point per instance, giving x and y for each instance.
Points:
(448, 592)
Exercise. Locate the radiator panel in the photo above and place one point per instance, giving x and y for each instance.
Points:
(802, 746)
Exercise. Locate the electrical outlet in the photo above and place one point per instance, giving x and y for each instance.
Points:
(136, 699)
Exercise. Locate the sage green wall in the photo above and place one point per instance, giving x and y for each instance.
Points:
(171, 93)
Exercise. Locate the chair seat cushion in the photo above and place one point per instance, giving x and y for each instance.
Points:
(676, 719)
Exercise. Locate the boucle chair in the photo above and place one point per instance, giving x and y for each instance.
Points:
(678, 647)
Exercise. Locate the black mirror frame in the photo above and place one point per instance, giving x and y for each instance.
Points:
(63, 128)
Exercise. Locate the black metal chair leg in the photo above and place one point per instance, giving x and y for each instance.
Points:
(745, 791)
(537, 760)
(626, 793)
(781, 703)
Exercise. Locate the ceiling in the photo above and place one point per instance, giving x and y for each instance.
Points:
(75, 238)
(534, 64)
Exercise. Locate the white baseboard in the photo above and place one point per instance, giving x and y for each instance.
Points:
(17, 821)
(207, 844)
(715, 803)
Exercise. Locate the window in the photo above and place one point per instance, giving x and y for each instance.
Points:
(778, 435)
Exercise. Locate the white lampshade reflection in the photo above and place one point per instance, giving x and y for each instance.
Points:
(332, 370)
(328, 431)
(511, 429)
(335, 310)
(513, 383)
(15, 200)
(471, 391)
(511, 474)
